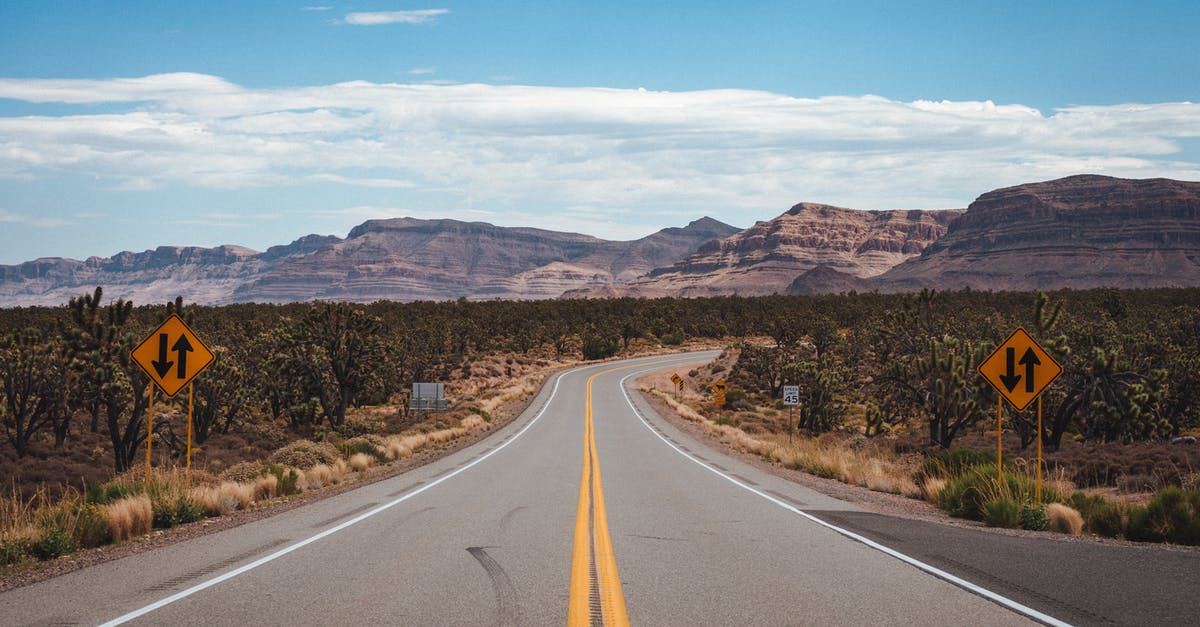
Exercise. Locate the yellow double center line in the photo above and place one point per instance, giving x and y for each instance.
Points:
(596, 596)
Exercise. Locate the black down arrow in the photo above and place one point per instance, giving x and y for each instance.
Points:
(1011, 380)
(161, 365)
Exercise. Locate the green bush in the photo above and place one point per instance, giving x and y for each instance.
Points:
(174, 509)
(1001, 512)
(105, 493)
(1033, 517)
(286, 480)
(1100, 516)
(965, 495)
(953, 462)
(51, 544)
(1173, 515)
(15, 550)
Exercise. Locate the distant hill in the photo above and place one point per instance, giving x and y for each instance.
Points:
(402, 259)
(767, 257)
(1077, 232)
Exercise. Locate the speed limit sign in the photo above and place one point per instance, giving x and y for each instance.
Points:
(791, 395)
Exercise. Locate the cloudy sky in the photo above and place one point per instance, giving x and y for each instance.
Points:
(127, 125)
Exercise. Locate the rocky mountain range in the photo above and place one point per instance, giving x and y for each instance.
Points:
(1079, 232)
(402, 259)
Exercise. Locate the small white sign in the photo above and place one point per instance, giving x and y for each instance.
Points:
(791, 395)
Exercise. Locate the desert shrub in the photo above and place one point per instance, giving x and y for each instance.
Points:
(355, 426)
(1130, 484)
(1001, 512)
(172, 509)
(1064, 519)
(365, 445)
(244, 472)
(15, 550)
(1033, 517)
(1172, 515)
(104, 493)
(1100, 516)
(51, 544)
(84, 524)
(304, 454)
(674, 338)
(223, 499)
(952, 462)
(286, 479)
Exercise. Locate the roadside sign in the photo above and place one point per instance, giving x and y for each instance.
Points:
(718, 389)
(676, 379)
(172, 355)
(1020, 369)
(791, 395)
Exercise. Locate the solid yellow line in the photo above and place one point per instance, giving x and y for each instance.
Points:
(578, 612)
(594, 532)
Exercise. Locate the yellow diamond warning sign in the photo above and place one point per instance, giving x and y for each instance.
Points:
(1020, 369)
(172, 355)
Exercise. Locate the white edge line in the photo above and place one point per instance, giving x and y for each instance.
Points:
(933, 570)
(332, 530)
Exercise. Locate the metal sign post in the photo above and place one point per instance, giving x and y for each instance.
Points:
(1020, 381)
(171, 355)
(791, 398)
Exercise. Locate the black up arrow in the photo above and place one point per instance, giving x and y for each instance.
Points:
(1029, 360)
(183, 347)
(1012, 378)
(161, 365)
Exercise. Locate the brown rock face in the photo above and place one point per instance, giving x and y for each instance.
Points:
(1078, 232)
(402, 259)
(767, 257)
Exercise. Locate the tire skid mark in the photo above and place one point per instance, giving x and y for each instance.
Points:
(179, 580)
(406, 489)
(508, 612)
(329, 521)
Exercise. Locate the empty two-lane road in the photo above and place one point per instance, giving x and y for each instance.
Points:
(589, 508)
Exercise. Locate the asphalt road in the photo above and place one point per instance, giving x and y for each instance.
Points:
(591, 504)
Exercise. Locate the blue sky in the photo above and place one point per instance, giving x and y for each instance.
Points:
(128, 125)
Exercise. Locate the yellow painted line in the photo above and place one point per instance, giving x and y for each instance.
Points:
(592, 537)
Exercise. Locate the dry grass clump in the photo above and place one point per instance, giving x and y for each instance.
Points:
(511, 393)
(129, 517)
(316, 477)
(473, 422)
(225, 498)
(931, 487)
(445, 435)
(396, 449)
(1064, 519)
(361, 461)
(265, 487)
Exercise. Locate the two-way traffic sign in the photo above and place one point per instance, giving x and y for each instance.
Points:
(172, 355)
(1020, 369)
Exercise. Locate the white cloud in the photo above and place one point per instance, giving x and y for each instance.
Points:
(533, 148)
(377, 18)
(9, 217)
(317, 8)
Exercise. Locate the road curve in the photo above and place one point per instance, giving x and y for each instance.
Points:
(494, 534)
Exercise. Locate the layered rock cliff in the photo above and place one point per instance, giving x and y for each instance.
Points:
(1077, 232)
(767, 257)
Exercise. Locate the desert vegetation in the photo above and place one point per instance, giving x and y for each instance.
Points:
(887, 381)
(892, 401)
